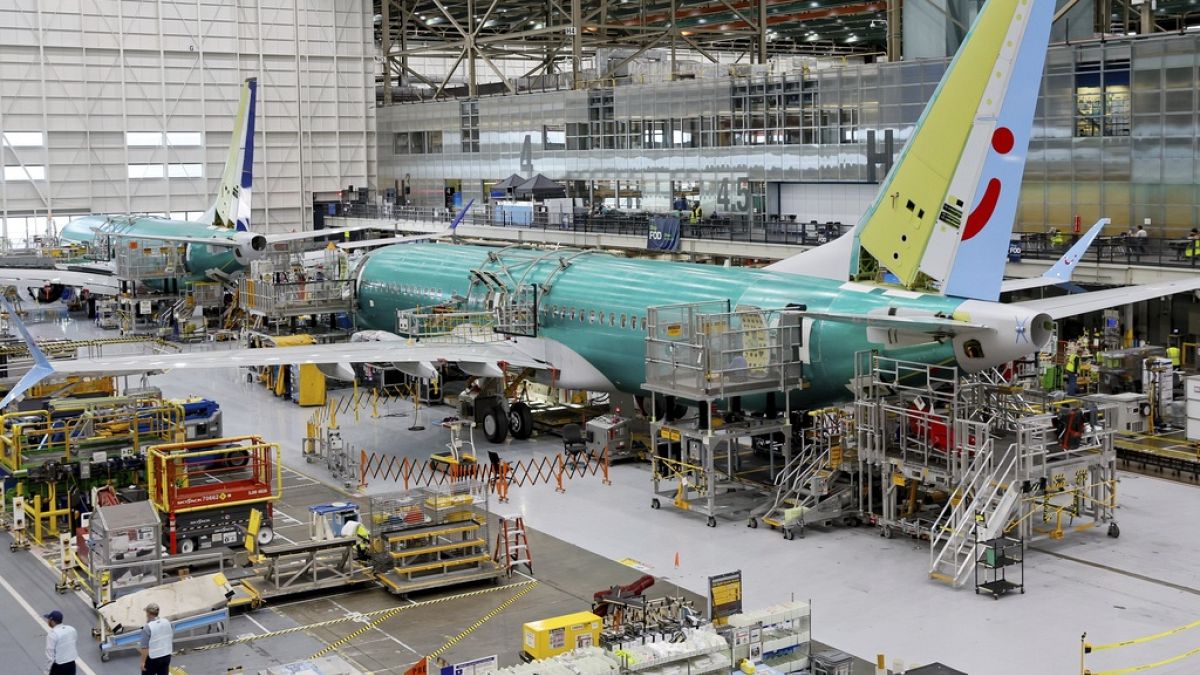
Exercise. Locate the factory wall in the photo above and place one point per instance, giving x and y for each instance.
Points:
(1114, 136)
(120, 106)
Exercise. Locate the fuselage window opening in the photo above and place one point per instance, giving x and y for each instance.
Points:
(592, 317)
(572, 313)
(612, 319)
(973, 349)
(622, 321)
(643, 324)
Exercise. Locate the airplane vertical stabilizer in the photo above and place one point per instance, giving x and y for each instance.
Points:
(232, 206)
(948, 203)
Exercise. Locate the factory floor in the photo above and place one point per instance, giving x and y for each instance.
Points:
(870, 595)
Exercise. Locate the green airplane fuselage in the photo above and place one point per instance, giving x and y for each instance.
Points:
(596, 284)
(199, 259)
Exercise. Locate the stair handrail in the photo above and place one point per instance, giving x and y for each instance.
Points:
(979, 486)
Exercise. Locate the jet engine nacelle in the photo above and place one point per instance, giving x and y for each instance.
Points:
(250, 247)
(1016, 332)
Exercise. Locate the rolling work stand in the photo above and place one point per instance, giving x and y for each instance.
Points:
(996, 557)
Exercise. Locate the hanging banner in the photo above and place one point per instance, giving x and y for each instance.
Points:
(663, 234)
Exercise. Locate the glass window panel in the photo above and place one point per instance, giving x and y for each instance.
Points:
(24, 139)
(185, 138)
(142, 139)
(185, 170)
(25, 172)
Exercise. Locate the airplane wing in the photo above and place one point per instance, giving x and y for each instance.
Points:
(220, 242)
(486, 354)
(21, 277)
(1081, 303)
(369, 243)
(1063, 269)
(315, 234)
(341, 352)
(912, 324)
(416, 237)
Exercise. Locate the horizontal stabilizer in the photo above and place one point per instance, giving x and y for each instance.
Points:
(933, 325)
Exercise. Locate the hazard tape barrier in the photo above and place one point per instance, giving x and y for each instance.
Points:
(422, 667)
(388, 613)
(342, 642)
(1086, 648)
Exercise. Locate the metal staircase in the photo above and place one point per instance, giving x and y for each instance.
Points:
(979, 509)
(791, 485)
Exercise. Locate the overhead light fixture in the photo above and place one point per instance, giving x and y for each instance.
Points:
(813, 37)
(852, 38)
(704, 21)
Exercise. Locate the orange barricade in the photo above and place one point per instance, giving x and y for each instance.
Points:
(412, 473)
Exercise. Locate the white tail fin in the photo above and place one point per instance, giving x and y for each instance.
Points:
(944, 214)
(232, 206)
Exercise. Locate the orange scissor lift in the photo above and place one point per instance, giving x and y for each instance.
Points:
(205, 490)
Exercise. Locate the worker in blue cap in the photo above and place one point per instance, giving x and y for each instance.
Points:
(60, 645)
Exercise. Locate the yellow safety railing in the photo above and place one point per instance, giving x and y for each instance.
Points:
(213, 473)
(1086, 648)
(35, 436)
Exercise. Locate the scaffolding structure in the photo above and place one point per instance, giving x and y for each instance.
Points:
(433, 536)
(962, 461)
(705, 352)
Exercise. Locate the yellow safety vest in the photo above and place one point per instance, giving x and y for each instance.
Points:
(1073, 363)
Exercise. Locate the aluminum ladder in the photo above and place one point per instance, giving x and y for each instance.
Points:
(512, 545)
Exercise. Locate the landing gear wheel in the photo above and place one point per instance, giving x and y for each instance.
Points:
(753, 524)
(712, 521)
(788, 534)
(495, 425)
(1113, 531)
(187, 546)
(266, 535)
(654, 504)
(520, 421)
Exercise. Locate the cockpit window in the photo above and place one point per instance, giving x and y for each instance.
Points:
(973, 349)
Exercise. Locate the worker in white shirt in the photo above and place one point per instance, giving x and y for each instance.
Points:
(157, 643)
(60, 645)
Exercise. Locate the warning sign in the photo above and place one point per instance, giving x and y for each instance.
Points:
(725, 594)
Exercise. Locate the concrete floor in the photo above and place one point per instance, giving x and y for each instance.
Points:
(869, 595)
